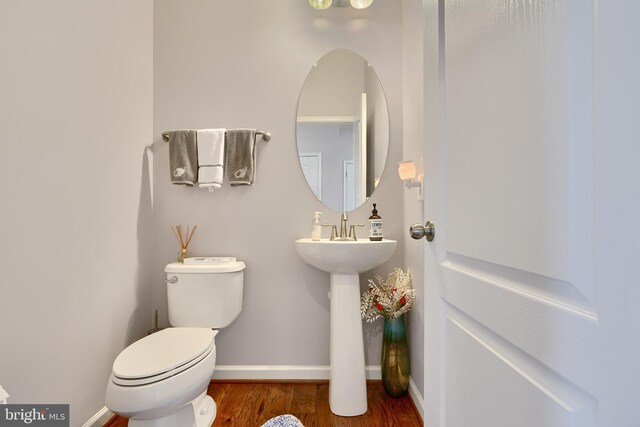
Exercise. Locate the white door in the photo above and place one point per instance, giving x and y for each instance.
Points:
(516, 299)
(349, 200)
(312, 169)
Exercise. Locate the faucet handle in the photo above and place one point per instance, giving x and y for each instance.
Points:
(352, 231)
(343, 216)
(334, 231)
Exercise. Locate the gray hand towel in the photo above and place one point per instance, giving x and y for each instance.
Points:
(183, 156)
(241, 156)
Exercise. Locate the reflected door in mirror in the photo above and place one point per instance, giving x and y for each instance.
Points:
(312, 168)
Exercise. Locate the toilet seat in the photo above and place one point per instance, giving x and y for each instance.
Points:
(162, 355)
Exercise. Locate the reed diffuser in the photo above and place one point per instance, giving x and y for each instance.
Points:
(183, 240)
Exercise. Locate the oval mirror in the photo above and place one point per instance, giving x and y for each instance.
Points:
(342, 130)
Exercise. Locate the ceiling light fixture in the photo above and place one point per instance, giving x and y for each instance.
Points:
(320, 4)
(361, 4)
(325, 4)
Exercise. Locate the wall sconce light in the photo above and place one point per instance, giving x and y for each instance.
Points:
(407, 171)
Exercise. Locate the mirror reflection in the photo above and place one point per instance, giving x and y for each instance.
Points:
(342, 130)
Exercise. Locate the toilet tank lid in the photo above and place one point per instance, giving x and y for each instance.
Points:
(197, 265)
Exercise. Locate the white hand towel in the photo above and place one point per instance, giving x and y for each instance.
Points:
(210, 158)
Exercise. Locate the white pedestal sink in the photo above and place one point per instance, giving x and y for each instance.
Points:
(345, 260)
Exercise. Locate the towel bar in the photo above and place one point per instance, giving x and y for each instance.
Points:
(266, 136)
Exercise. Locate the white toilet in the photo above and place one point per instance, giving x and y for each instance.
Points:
(162, 379)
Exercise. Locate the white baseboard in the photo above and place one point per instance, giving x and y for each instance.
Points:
(282, 372)
(100, 418)
(417, 398)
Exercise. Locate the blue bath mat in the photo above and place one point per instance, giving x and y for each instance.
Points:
(283, 421)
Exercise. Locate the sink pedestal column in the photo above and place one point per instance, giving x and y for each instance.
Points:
(344, 260)
(347, 381)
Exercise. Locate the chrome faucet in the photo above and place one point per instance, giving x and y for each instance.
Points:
(343, 229)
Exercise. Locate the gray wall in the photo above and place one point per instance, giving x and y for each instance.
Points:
(242, 64)
(413, 147)
(333, 87)
(76, 114)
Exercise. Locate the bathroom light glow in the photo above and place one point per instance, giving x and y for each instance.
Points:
(407, 171)
(361, 4)
(325, 4)
(320, 4)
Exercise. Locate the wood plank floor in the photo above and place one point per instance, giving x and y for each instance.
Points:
(252, 404)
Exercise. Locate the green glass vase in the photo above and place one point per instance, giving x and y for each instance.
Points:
(395, 358)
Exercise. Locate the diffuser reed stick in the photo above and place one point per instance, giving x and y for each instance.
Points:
(190, 236)
(183, 240)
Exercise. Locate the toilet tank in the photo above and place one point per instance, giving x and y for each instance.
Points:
(205, 293)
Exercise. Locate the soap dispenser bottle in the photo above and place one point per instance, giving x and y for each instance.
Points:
(316, 227)
(375, 225)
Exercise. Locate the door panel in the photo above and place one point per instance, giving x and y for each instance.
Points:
(557, 335)
(509, 388)
(505, 76)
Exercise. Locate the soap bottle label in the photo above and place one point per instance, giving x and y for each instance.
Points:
(375, 228)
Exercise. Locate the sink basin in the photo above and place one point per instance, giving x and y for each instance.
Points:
(345, 260)
(345, 257)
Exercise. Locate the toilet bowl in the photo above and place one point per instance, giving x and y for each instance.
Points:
(162, 379)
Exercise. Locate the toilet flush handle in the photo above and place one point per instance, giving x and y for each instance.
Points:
(172, 280)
